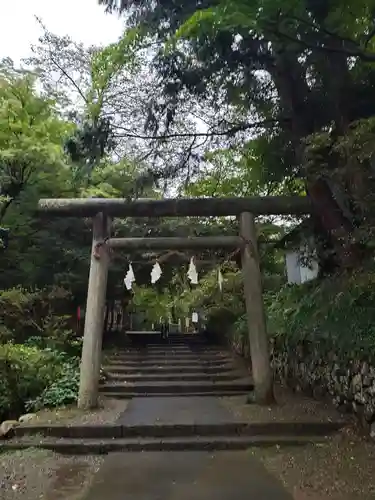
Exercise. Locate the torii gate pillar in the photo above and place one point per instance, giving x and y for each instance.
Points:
(256, 320)
(95, 309)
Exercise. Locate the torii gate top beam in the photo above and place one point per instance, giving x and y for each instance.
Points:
(175, 207)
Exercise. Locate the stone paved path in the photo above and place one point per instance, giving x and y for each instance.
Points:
(182, 475)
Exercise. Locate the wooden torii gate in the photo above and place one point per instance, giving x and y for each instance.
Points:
(102, 210)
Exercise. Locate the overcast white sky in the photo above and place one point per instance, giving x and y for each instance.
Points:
(83, 20)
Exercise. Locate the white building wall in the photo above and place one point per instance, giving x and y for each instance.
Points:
(298, 273)
(293, 270)
(309, 273)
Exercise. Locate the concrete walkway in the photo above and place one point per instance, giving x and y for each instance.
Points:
(180, 475)
(184, 476)
(177, 410)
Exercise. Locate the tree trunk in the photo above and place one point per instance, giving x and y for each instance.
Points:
(335, 224)
(294, 95)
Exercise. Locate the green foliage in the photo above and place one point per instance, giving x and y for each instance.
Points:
(336, 314)
(61, 341)
(219, 308)
(284, 78)
(112, 181)
(44, 267)
(38, 372)
(31, 136)
(353, 154)
(207, 296)
(106, 65)
(247, 170)
(226, 15)
(299, 70)
(62, 391)
(156, 304)
(26, 372)
(25, 313)
(16, 306)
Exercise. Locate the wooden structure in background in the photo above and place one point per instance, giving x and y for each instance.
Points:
(178, 207)
(102, 210)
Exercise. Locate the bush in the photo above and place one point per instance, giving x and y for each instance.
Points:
(61, 392)
(67, 342)
(27, 374)
(25, 313)
(337, 313)
(39, 351)
(16, 314)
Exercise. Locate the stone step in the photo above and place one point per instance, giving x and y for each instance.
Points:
(177, 363)
(182, 387)
(153, 339)
(149, 361)
(170, 357)
(214, 393)
(187, 357)
(176, 347)
(183, 347)
(172, 335)
(117, 431)
(193, 443)
(146, 341)
(160, 377)
(160, 348)
(165, 350)
(172, 340)
(182, 354)
(168, 369)
(179, 343)
(171, 348)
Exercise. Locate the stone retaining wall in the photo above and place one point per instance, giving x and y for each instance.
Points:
(350, 385)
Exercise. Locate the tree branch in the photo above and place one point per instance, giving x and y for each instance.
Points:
(369, 37)
(69, 78)
(356, 51)
(238, 128)
(318, 28)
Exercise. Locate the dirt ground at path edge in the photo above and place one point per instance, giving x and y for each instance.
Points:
(343, 468)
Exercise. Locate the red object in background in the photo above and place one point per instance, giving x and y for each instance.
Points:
(78, 318)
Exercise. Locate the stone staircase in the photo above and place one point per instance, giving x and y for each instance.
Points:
(175, 368)
(174, 390)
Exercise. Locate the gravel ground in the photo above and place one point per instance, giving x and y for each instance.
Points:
(342, 469)
(108, 412)
(290, 407)
(42, 475)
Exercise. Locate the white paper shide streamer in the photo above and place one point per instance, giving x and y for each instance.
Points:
(156, 272)
(192, 272)
(220, 279)
(129, 278)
